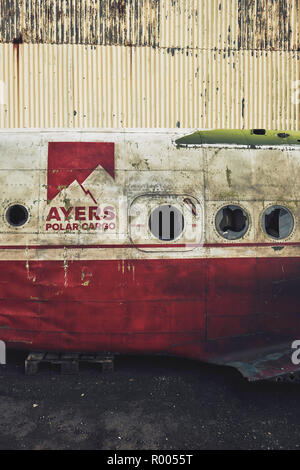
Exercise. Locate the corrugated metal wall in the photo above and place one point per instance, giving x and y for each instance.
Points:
(149, 63)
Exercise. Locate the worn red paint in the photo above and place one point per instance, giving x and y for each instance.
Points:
(198, 308)
(70, 161)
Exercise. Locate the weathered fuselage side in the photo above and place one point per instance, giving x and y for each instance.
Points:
(118, 288)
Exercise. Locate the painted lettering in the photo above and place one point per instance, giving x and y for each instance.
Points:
(80, 213)
(53, 214)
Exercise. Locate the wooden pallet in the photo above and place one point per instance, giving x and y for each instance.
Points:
(68, 362)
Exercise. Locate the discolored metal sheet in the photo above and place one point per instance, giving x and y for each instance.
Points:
(268, 25)
(149, 64)
(101, 22)
(235, 25)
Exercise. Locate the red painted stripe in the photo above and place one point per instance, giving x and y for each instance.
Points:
(55, 247)
(175, 306)
(124, 246)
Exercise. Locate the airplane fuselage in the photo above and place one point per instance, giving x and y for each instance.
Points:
(125, 242)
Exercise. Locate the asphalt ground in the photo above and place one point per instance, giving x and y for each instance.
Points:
(156, 403)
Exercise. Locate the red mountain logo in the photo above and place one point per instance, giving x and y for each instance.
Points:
(75, 161)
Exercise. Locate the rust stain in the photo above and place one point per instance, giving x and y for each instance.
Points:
(94, 22)
(86, 278)
(17, 40)
(16, 49)
(266, 25)
(119, 6)
(262, 24)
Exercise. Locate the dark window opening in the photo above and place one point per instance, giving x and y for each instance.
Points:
(172, 225)
(282, 135)
(232, 222)
(278, 222)
(272, 223)
(259, 131)
(17, 215)
(166, 223)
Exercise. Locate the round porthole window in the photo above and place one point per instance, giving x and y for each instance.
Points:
(232, 222)
(17, 215)
(166, 222)
(278, 222)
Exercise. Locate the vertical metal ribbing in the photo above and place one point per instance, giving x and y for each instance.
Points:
(168, 65)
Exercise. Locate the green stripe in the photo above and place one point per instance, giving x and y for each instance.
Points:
(241, 137)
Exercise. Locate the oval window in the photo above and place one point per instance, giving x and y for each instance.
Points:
(232, 222)
(166, 222)
(17, 215)
(278, 222)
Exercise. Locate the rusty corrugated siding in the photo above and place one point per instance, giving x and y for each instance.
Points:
(262, 24)
(97, 22)
(268, 25)
(143, 63)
